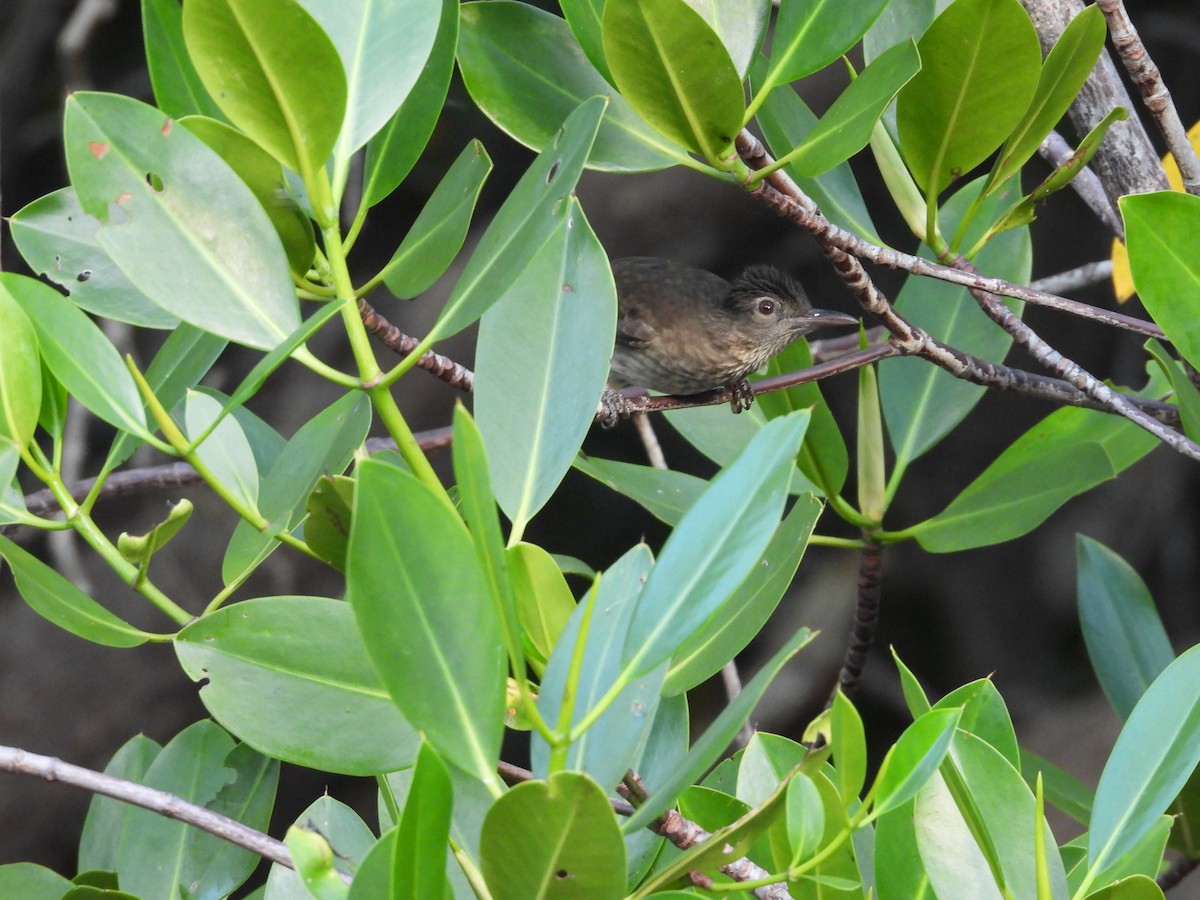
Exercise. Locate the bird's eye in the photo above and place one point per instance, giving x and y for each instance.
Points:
(766, 307)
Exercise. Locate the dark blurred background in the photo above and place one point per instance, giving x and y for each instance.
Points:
(1008, 611)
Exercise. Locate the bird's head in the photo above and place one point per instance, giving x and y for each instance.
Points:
(770, 309)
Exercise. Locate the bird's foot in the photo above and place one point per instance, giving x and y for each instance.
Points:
(743, 396)
(614, 406)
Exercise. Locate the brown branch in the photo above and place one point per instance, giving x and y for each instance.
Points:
(21, 762)
(1073, 279)
(1178, 871)
(401, 344)
(1145, 75)
(866, 616)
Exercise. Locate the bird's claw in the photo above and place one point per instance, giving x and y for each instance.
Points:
(743, 396)
(613, 407)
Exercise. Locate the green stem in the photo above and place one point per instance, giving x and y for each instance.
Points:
(848, 512)
(469, 869)
(389, 799)
(822, 540)
(566, 712)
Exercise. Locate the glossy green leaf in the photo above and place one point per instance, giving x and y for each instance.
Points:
(544, 601)
(58, 240)
(106, 817)
(226, 451)
(846, 127)
(140, 549)
(767, 760)
(424, 622)
(805, 816)
(1004, 806)
(534, 210)
(740, 24)
(327, 528)
(849, 745)
(174, 214)
(666, 746)
(748, 609)
(79, 354)
(713, 742)
(922, 403)
(586, 18)
(1156, 751)
(811, 35)
(562, 312)
(665, 493)
(612, 744)
(322, 446)
(52, 415)
(419, 867)
(980, 66)
(1045, 467)
(896, 853)
(1125, 638)
(394, 149)
(1187, 396)
(985, 716)
(313, 859)
(914, 758)
(672, 68)
(786, 121)
(290, 103)
(348, 837)
(383, 45)
(201, 765)
(1163, 237)
(872, 466)
(31, 882)
(553, 839)
(1066, 68)
(525, 70)
(20, 367)
(1136, 887)
(291, 676)
(715, 545)
(263, 174)
(178, 90)
(438, 233)
(53, 597)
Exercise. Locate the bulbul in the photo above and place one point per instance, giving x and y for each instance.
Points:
(682, 330)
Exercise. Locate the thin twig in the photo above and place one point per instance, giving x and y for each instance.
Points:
(1074, 279)
(401, 344)
(22, 762)
(866, 616)
(1145, 75)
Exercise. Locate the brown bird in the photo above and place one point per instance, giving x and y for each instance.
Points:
(682, 330)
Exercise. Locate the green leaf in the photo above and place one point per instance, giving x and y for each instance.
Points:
(1163, 236)
(665, 493)
(1066, 68)
(322, 446)
(749, 608)
(313, 858)
(327, 527)
(79, 354)
(1187, 396)
(914, 758)
(896, 853)
(811, 35)
(672, 68)
(1136, 887)
(140, 549)
(1045, 467)
(1125, 638)
(290, 103)
(786, 121)
(226, 451)
(383, 45)
(980, 66)
(985, 716)
(174, 214)
(264, 176)
(805, 816)
(533, 211)
(53, 597)
(544, 601)
(1156, 751)
(553, 839)
(31, 882)
(525, 70)
(740, 24)
(178, 90)
(58, 240)
(106, 817)
(347, 835)
(846, 127)
(562, 312)
(1063, 790)
(394, 149)
(419, 868)
(849, 745)
(922, 403)
(291, 677)
(424, 622)
(613, 743)
(586, 20)
(438, 233)
(713, 742)
(715, 545)
(20, 367)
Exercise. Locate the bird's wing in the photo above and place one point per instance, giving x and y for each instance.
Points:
(633, 330)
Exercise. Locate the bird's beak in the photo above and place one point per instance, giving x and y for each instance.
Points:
(825, 318)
